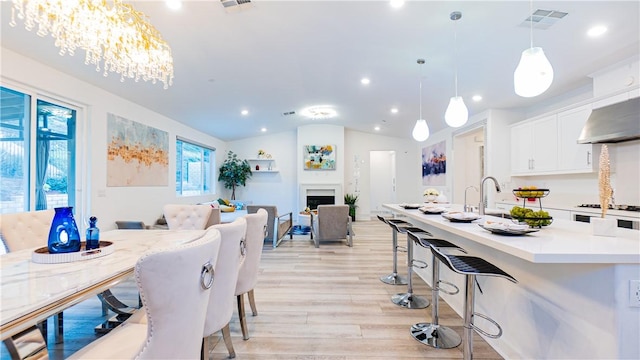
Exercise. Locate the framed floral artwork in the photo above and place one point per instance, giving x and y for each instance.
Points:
(434, 164)
(319, 157)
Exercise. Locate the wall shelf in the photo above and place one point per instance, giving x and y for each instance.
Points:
(265, 165)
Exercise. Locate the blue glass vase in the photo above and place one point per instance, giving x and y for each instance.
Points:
(63, 236)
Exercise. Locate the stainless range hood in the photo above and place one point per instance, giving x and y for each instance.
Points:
(614, 123)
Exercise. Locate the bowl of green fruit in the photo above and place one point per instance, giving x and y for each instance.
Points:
(535, 219)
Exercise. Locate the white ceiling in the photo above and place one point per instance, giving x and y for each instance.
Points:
(280, 56)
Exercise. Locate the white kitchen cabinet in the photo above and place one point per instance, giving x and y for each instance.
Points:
(574, 157)
(534, 146)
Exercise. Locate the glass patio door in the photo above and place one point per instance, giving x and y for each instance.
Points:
(37, 153)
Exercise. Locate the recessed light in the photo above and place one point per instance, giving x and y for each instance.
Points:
(263, 129)
(244, 112)
(365, 81)
(173, 4)
(394, 110)
(476, 98)
(377, 128)
(396, 3)
(319, 112)
(597, 31)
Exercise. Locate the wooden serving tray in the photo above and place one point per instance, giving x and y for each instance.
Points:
(42, 255)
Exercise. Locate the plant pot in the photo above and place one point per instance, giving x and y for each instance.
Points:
(352, 213)
(603, 227)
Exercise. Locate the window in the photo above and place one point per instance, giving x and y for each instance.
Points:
(194, 168)
(38, 173)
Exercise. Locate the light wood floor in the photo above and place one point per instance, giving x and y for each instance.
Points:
(315, 304)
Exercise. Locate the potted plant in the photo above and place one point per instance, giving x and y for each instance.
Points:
(351, 199)
(234, 172)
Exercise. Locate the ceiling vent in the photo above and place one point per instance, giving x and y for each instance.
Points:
(543, 19)
(230, 5)
(287, 113)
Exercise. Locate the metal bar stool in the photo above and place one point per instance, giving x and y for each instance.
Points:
(409, 299)
(433, 334)
(394, 278)
(472, 266)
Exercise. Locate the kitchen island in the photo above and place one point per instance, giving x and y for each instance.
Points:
(573, 296)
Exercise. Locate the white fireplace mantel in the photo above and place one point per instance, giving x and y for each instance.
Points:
(319, 188)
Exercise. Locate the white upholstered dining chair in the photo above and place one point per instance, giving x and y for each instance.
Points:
(30, 229)
(248, 273)
(175, 286)
(187, 217)
(220, 310)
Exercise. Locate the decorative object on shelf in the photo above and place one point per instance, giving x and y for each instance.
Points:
(351, 200)
(534, 73)
(421, 129)
(261, 154)
(457, 113)
(92, 234)
(234, 172)
(603, 226)
(110, 32)
(319, 157)
(431, 194)
(257, 167)
(63, 235)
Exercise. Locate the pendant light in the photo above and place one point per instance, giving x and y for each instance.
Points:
(421, 129)
(457, 113)
(534, 73)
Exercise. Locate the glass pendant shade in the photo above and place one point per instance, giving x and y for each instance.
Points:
(421, 130)
(534, 73)
(457, 113)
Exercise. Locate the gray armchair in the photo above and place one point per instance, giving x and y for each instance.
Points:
(331, 223)
(277, 225)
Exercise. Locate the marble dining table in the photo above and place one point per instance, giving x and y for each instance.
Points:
(31, 292)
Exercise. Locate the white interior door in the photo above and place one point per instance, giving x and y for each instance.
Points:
(468, 166)
(382, 180)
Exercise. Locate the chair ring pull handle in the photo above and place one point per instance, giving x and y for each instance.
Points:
(447, 291)
(243, 247)
(493, 336)
(206, 276)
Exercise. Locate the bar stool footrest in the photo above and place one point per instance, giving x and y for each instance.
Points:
(437, 336)
(481, 331)
(439, 288)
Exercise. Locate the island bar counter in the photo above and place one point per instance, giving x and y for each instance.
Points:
(573, 296)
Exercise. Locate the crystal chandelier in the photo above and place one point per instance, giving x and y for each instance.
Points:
(108, 30)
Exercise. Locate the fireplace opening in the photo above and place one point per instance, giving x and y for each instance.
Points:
(314, 200)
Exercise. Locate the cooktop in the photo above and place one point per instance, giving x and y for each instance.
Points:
(612, 207)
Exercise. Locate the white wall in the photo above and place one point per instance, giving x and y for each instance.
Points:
(408, 167)
(270, 188)
(108, 204)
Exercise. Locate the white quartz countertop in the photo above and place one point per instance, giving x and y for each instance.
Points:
(562, 242)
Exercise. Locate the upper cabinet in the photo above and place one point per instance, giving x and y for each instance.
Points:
(534, 146)
(574, 157)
